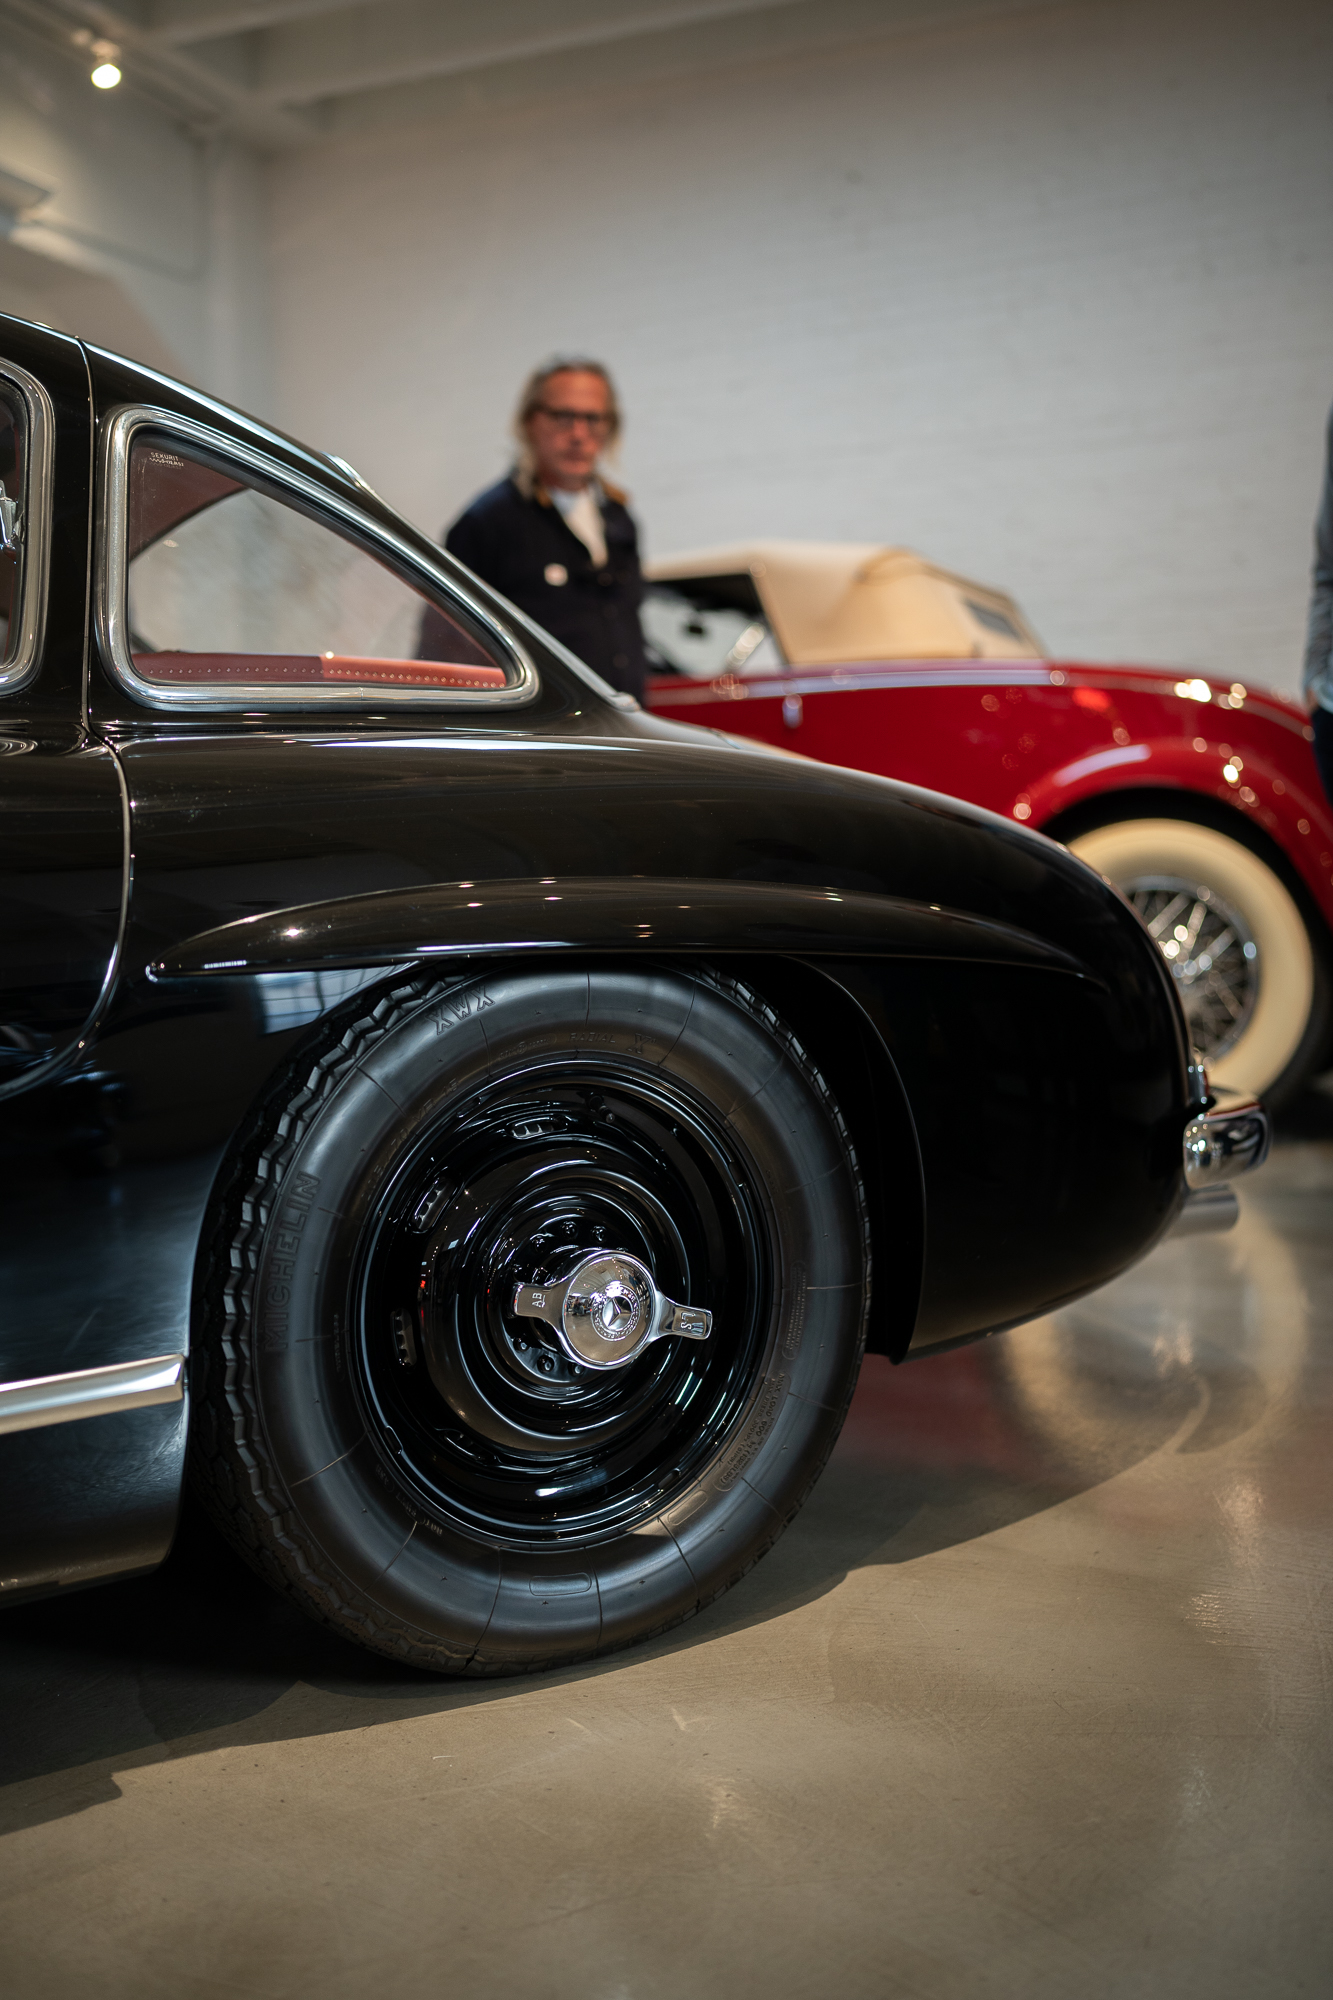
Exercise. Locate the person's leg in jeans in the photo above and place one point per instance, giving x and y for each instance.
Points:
(1321, 720)
(1317, 673)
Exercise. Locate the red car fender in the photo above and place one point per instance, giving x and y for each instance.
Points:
(1035, 739)
(1245, 780)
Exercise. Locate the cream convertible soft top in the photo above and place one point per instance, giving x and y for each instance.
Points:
(834, 601)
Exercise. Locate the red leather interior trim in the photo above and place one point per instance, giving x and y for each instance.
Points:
(418, 673)
(231, 669)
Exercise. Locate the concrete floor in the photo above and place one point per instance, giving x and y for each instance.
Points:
(1034, 1699)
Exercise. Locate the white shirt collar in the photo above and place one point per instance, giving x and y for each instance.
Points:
(583, 515)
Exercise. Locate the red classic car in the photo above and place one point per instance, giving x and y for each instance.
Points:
(1199, 798)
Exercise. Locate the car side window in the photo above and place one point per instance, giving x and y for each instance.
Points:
(703, 627)
(230, 585)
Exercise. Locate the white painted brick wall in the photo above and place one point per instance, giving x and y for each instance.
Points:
(1049, 297)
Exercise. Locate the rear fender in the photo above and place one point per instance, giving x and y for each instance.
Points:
(852, 1057)
(807, 950)
(691, 915)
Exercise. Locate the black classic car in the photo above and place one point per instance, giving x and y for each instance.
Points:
(472, 1126)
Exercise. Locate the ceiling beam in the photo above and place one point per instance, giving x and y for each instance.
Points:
(273, 71)
(253, 66)
(176, 24)
(407, 41)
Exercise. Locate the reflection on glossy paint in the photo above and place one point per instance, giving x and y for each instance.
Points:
(291, 999)
(1102, 760)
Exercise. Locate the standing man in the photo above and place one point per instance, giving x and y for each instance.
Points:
(555, 536)
(1317, 679)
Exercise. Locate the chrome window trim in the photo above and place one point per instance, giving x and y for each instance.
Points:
(41, 1400)
(112, 584)
(854, 677)
(36, 502)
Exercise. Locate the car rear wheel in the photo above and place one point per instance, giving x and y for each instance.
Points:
(532, 1310)
(1247, 970)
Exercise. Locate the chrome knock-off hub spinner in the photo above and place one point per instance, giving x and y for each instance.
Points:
(607, 1310)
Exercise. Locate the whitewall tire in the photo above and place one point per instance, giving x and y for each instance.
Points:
(1235, 938)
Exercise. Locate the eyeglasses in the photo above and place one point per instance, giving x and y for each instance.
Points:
(565, 420)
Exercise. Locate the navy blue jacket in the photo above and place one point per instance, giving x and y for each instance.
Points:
(522, 547)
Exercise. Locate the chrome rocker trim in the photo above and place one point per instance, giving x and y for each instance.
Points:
(91, 1392)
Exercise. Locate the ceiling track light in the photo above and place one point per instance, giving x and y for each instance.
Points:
(105, 55)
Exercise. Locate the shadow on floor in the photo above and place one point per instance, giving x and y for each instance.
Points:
(201, 1651)
(933, 1455)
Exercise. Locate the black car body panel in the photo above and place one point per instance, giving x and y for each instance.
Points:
(995, 1023)
(616, 913)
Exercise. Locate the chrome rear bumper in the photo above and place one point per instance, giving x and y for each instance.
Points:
(1220, 1144)
(1226, 1142)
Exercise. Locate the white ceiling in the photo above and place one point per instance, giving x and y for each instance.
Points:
(277, 72)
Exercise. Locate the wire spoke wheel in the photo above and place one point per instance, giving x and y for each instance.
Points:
(1239, 948)
(1213, 958)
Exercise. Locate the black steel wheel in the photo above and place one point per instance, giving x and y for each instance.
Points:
(532, 1311)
